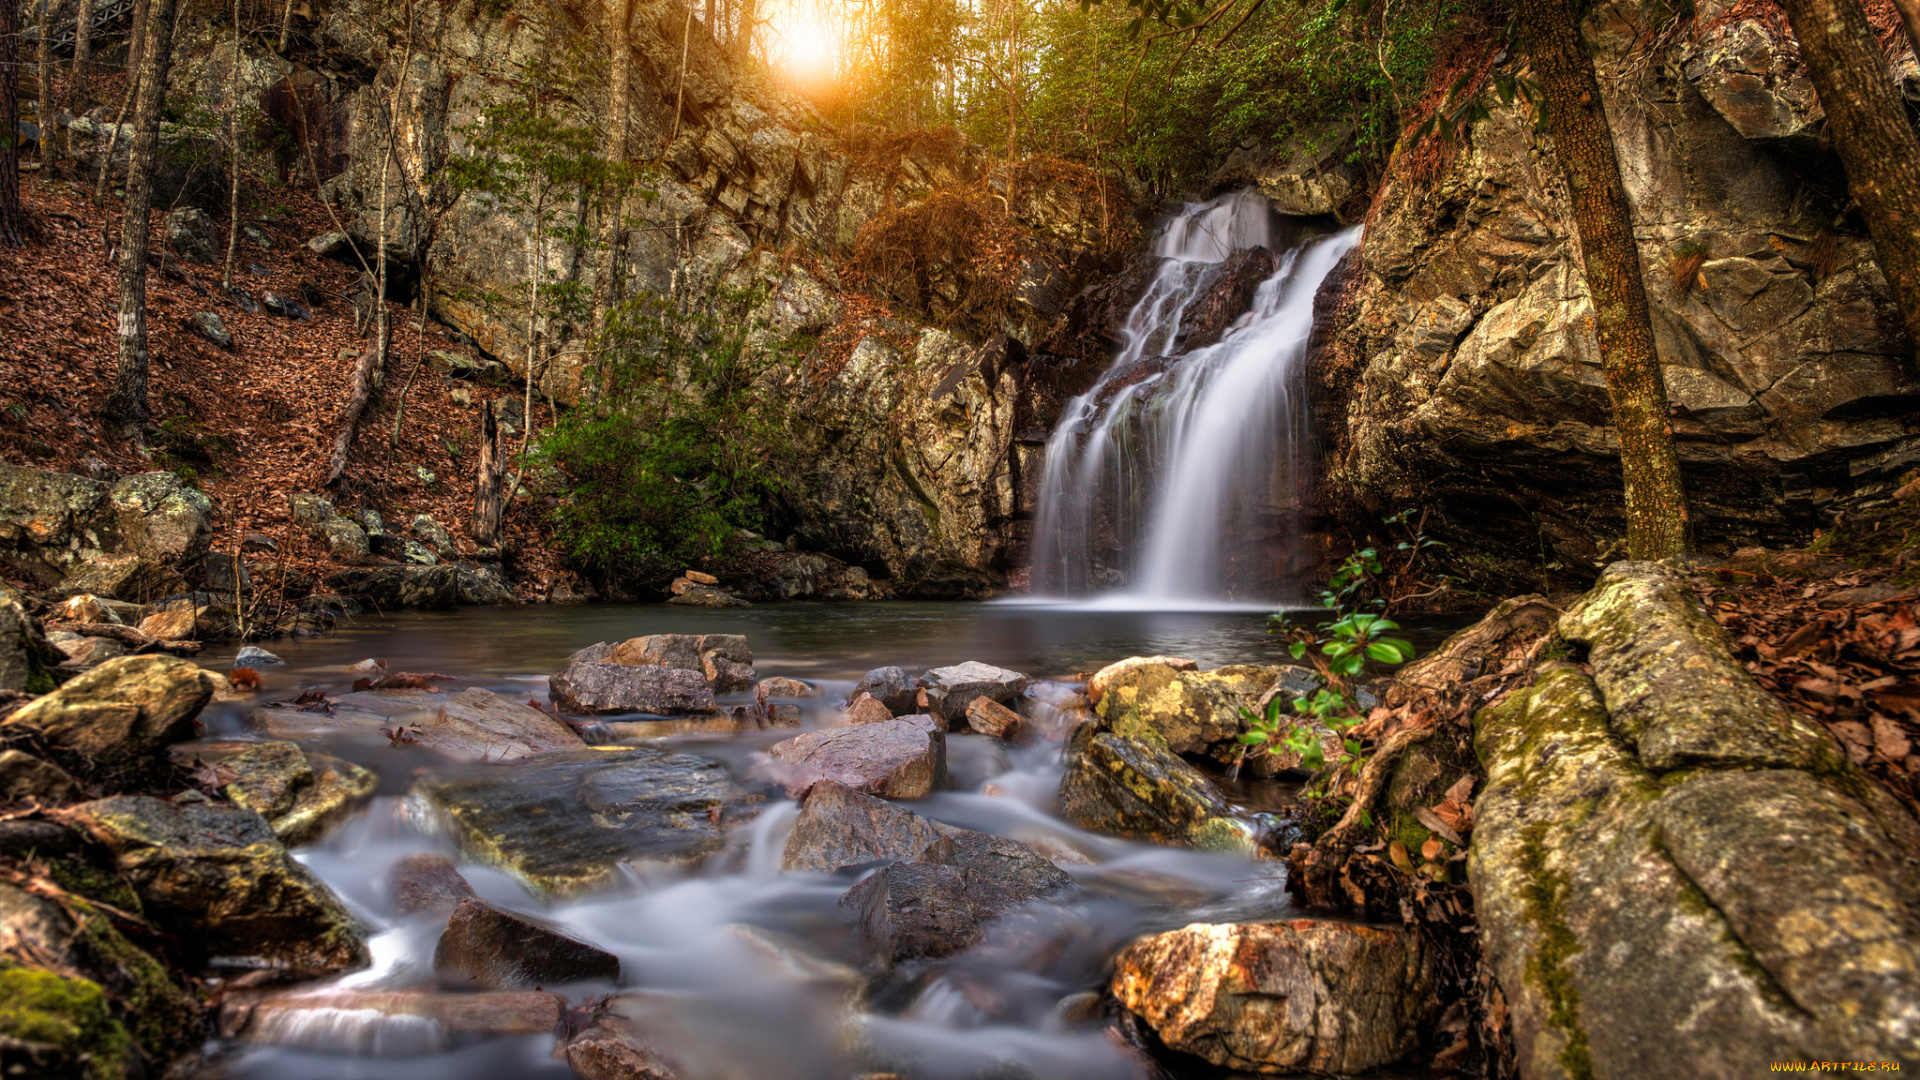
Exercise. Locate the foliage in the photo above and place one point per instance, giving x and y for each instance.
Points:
(682, 448)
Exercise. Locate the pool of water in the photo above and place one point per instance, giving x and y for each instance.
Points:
(691, 941)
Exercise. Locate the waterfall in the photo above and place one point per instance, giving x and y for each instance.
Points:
(1176, 480)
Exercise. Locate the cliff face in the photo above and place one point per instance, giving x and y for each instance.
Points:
(1459, 373)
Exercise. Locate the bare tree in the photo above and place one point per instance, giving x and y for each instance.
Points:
(489, 488)
(43, 62)
(9, 123)
(126, 406)
(79, 83)
(1657, 522)
(616, 153)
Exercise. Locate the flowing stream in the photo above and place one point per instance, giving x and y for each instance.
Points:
(1175, 481)
(693, 941)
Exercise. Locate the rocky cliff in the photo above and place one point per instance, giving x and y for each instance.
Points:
(1459, 374)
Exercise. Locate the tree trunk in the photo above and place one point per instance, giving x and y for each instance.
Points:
(126, 407)
(43, 61)
(79, 86)
(233, 139)
(356, 406)
(136, 41)
(743, 38)
(1657, 522)
(9, 123)
(1877, 144)
(489, 488)
(619, 115)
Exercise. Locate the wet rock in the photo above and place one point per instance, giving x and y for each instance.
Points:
(892, 687)
(866, 710)
(838, 826)
(480, 725)
(1193, 712)
(940, 902)
(603, 686)
(218, 877)
(411, 552)
(496, 949)
(1305, 994)
(483, 584)
(738, 720)
(399, 1022)
(615, 1049)
(706, 596)
(121, 712)
(428, 883)
(781, 687)
(1097, 684)
(26, 660)
(60, 1027)
(190, 234)
(82, 653)
(254, 656)
(1136, 787)
(24, 777)
(989, 717)
(565, 822)
(209, 326)
(301, 793)
(905, 758)
(951, 689)
(391, 588)
(724, 675)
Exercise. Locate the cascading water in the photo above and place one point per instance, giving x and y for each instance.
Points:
(1179, 467)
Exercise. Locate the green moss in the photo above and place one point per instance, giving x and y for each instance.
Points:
(71, 1014)
(1544, 891)
(79, 876)
(1221, 834)
(166, 1021)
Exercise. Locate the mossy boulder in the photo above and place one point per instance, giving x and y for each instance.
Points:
(301, 793)
(219, 878)
(26, 660)
(122, 712)
(1197, 713)
(1136, 787)
(58, 1028)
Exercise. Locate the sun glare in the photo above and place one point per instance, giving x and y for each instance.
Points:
(804, 41)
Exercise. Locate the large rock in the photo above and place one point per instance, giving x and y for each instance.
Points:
(1196, 713)
(54, 524)
(941, 901)
(217, 876)
(565, 822)
(1097, 682)
(301, 793)
(904, 758)
(119, 713)
(480, 725)
(838, 826)
(1136, 787)
(951, 689)
(1302, 995)
(190, 234)
(604, 686)
(24, 777)
(26, 660)
(890, 686)
(495, 949)
(1743, 901)
(391, 588)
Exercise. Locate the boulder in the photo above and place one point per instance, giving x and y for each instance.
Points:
(216, 876)
(82, 653)
(1097, 683)
(26, 660)
(1305, 995)
(700, 578)
(603, 686)
(60, 1027)
(565, 822)
(495, 949)
(866, 710)
(657, 650)
(940, 902)
(724, 675)
(209, 326)
(301, 793)
(190, 234)
(483, 584)
(892, 687)
(119, 713)
(435, 536)
(480, 725)
(1136, 787)
(391, 588)
(838, 826)
(410, 552)
(122, 577)
(951, 689)
(161, 519)
(1196, 712)
(905, 758)
(989, 717)
(782, 687)
(24, 777)
(427, 883)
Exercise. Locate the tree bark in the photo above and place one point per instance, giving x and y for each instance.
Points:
(619, 116)
(43, 61)
(489, 494)
(743, 38)
(126, 407)
(79, 86)
(1870, 130)
(356, 406)
(9, 123)
(1657, 519)
(136, 42)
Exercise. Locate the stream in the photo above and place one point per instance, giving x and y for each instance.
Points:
(741, 969)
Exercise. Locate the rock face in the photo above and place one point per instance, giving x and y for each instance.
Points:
(121, 712)
(56, 524)
(1301, 995)
(1647, 893)
(1136, 787)
(903, 758)
(1460, 372)
(219, 877)
(564, 822)
(300, 793)
(951, 689)
(496, 949)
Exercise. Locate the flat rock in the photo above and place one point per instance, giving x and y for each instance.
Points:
(565, 822)
(301, 793)
(1097, 684)
(393, 1021)
(951, 689)
(218, 877)
(497, 949)
(480, 725)
(427, 883)
(1136, 787)
(904, 758)
(604, 686)
(940, 902)
(892, 687)
(122, 711)
(1301, 995)
(1192, 712)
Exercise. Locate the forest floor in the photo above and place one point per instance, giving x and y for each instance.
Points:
(253, 424)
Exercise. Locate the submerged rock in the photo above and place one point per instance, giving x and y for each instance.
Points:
(1136, 787)
(565, 822)
(427, 883)
(496, 949)
(480, 725)
(940, 902)
(1301, 995)
(120, 712)
(904, 758)
(951, 689)
(389, 1022)
(218, 877)
(300, 793)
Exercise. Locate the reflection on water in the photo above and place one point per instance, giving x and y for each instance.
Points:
(740, 971)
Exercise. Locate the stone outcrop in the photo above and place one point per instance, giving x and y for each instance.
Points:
(1458, 372)
(1668, 865)
(1300, 995)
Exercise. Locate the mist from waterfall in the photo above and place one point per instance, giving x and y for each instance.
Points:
(1176, 481)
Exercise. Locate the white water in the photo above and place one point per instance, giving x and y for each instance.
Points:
(1170, 483)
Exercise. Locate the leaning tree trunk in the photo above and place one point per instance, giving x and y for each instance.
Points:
(619, 115)
(9, 122)
(1877, 144)
(1657, 525)
(79, 86)
(489, 488)
(358, 395)
(126, 407)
